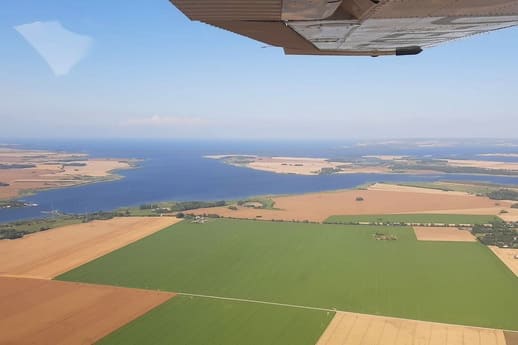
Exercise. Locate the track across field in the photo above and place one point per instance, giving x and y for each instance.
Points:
(188, 320)
(224, 320)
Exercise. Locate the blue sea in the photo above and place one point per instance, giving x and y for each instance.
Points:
(176, 170)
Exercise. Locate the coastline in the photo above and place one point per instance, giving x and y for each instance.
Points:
(33, 192)
(25, 173)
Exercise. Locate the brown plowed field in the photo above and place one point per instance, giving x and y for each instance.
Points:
(430, 233)
(34, 311)
(50, 253)
(357, 329)
(511, 338)
(319, 206)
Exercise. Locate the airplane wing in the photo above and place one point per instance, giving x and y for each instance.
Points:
(354, 27)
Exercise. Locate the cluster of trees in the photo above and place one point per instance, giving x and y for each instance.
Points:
(239, 160)
(260, 218)
(102, 215)
(206, 215)
(266, 203)
(380, 223)
(183, 206)
(74, 164)
(329, 171)
(499, 234)
(13, 230)
(70, 158)
(503, 194)
(183, 215)
(17, 166)
(192, 205)
(11, 234)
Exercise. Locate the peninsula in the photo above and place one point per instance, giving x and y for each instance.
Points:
(23, 172)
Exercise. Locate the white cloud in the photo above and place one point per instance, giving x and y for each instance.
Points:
(60, 48)
(158, 121)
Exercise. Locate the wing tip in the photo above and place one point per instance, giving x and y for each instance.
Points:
(411, 50)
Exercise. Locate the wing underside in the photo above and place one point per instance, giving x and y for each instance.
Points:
(354, 27)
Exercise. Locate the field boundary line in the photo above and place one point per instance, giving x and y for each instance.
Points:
(23, 276)
(256, 301)
(333, 310)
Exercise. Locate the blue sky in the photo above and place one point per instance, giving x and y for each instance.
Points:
(150, 72)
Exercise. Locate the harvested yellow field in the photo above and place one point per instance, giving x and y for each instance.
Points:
(508, 256)
(409, 189)
(357, 329)
(21, 180)
(50, 253)
(93, 168)
(430, 233)
(511, 215)
(319, 206)
(292, 165)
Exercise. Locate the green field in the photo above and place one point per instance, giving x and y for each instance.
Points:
(415, 218)
(199, 321)
(329, 266)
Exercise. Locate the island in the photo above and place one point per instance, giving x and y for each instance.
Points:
(373, 164)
